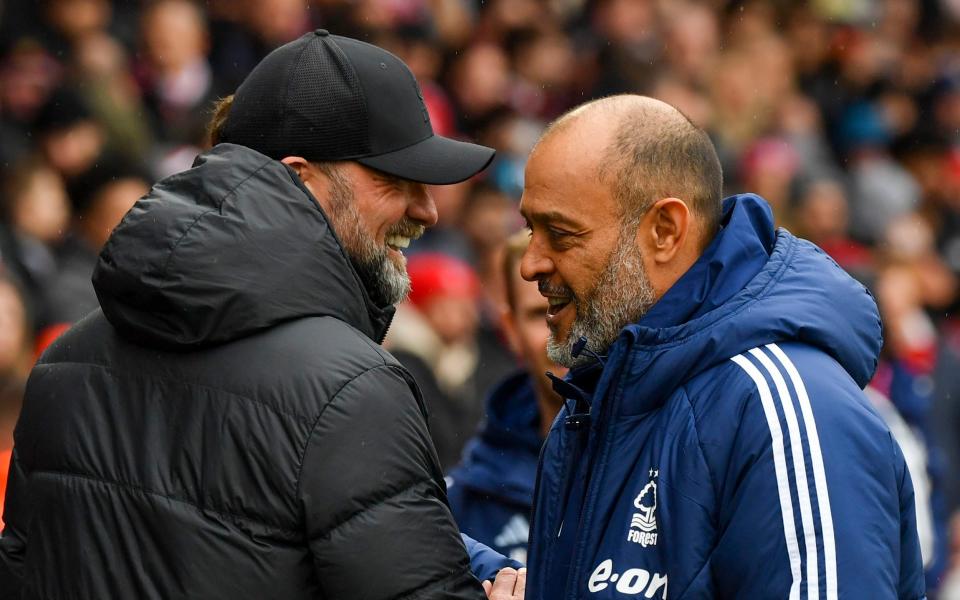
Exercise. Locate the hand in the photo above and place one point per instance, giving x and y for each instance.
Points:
(509, 585)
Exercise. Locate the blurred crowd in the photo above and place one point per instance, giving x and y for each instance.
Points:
(843, 114)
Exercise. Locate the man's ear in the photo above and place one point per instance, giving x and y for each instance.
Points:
(311, 178)
(298, 164)
(665, 229)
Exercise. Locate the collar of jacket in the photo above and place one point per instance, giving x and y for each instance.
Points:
(230, 247)
(736, 299)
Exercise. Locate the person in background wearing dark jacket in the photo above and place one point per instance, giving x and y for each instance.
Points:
(434, 336)
(227, 424)
(108, 191)
(717, 442)
(491, 490)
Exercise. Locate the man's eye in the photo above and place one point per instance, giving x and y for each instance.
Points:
(558, 233)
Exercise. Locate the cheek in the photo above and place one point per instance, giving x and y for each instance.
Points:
(578, 275)
(582, 267)
(381, 212)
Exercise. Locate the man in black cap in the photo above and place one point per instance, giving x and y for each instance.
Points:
(227, 425)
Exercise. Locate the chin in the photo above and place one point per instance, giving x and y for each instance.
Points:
(399, 260)
(560, 336)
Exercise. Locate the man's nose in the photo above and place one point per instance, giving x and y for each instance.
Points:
(422, 208)
(534, 264)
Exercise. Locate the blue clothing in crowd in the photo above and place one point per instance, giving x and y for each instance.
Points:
(491, 490)
(724, 448)
(911, 391)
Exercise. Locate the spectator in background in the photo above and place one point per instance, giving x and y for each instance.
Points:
(27, 76)
(71, 140)
(36, 202)
(105, 80)
(821, 215)
(951, 585)
(67, 22)
(903, 391)
(768, 167)
(480, 80)
(912, 281)
(245, 31)
(489, 218)
(175, 77)
(515, 135)
(16, 359)
(627, 46)
(491, 490)
(434, 337)
(545, 66)
(882, 190)
(106, 193)
(35, 215)
(692, 32)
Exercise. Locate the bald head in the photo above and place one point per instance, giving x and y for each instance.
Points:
(645, 150)
(609, 111)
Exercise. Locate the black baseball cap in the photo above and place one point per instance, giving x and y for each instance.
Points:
(327, 98)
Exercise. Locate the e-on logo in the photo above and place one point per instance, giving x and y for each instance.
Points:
(631, 581)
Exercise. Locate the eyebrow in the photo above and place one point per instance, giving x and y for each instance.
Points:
(549, 216)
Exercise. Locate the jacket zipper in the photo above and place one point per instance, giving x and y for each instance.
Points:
(563, 442)
(597, 448)
(386, 328)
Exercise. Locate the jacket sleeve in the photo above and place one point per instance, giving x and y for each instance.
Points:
(13, 544)
(485, 562)
(816, 500)
(373, 500)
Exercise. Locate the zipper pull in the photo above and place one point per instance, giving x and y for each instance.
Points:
(579, 418)
(577, 422)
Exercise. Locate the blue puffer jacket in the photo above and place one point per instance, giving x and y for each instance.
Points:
(727, 450)
(491, 490)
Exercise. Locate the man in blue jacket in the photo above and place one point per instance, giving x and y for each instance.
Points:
(715, 442)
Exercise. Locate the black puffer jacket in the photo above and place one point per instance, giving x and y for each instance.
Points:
(227, 426)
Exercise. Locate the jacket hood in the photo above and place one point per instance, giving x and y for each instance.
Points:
(753, 285)
(502, 460)
(235, 245)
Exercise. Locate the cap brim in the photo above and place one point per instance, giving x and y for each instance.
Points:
(435, 160)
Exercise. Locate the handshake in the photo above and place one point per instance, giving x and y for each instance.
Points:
(509, 584)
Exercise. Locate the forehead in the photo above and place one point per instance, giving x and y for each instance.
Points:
(562, 182)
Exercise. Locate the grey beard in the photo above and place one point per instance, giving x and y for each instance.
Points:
(622, 295)
(386, 282)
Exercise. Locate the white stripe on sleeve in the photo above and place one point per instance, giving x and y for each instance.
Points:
(799, 473)
(819, 473)
(780, 466)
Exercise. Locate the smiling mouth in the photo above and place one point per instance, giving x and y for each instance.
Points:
(397, 242)
(555, 305)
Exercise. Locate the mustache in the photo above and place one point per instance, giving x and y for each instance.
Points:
(546, 289)
(407, 228)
